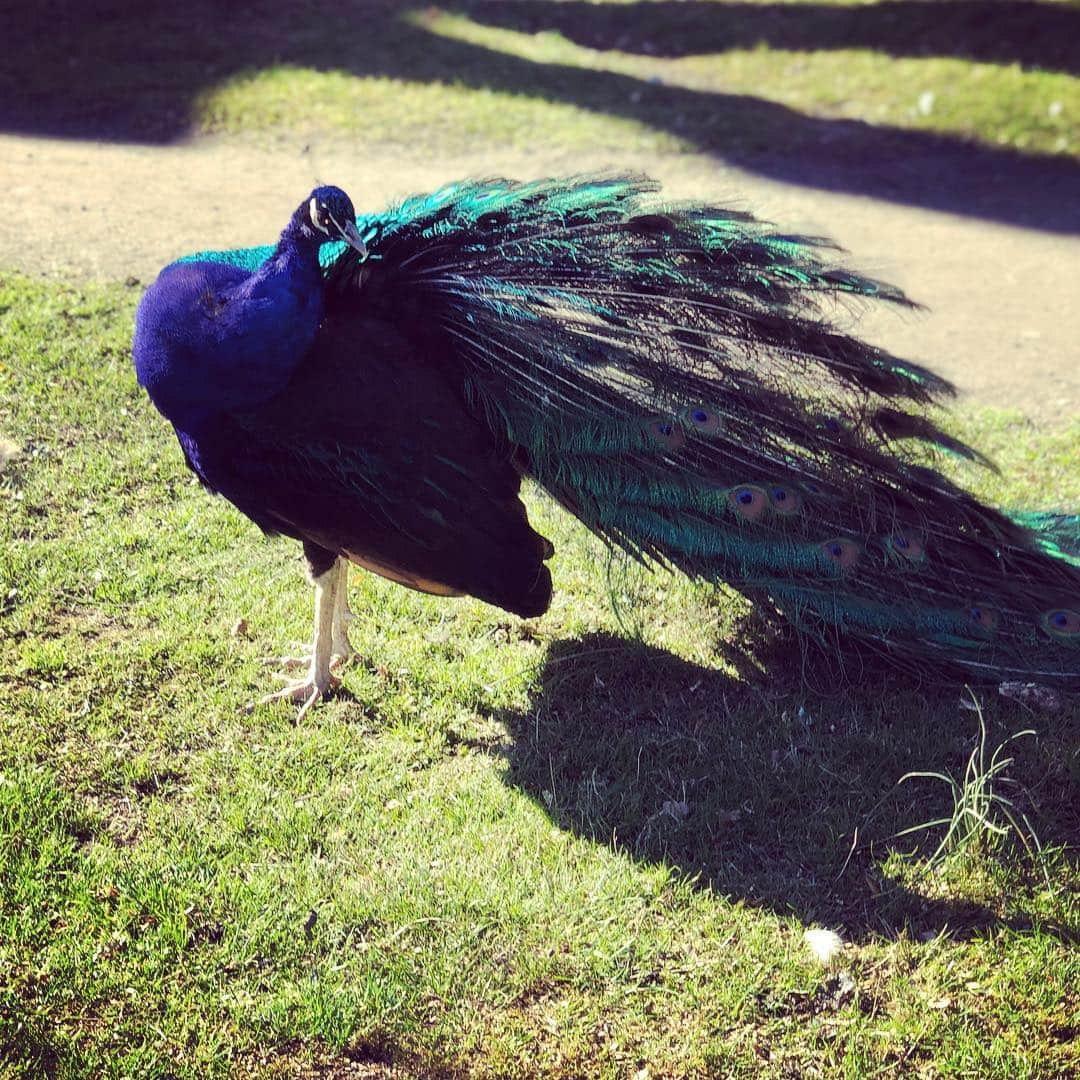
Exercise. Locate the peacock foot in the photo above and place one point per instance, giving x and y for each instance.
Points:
(306, 691)
(293, 661)
(330, 648)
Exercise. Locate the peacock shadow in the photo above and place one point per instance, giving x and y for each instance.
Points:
(760, 789)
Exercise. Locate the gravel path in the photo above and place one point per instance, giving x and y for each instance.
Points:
(1004, 319)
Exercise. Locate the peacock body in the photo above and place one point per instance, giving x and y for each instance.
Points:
(667, 373)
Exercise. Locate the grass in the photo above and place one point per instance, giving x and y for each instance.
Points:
(980, 813)
(575, 846)
(586, 845)
(463, 76)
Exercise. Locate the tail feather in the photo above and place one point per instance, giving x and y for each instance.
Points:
(672, 375)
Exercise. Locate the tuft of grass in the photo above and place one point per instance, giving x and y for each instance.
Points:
(580, 845)
(410, 114)
(981, 815)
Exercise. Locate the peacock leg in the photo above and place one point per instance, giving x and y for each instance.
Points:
(320, 680)
(341, 648)
(343, 615)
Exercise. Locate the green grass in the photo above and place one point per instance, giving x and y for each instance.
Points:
(577, 846)
(580, 845)
(465, 76)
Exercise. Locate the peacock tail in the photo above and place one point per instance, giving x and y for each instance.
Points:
(670, 375)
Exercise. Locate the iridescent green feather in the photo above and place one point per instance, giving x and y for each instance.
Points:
(671, 374)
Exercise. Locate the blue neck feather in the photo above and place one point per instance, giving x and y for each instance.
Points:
(211, 337)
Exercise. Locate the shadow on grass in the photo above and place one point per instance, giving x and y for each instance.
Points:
(95, 70)
(28, 1043)
(785, 806)
(1035, 35)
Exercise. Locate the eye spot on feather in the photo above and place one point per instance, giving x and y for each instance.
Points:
(784, 500)
(1062, 623)
(906, 546)
(982, 618)
(704, 420)
(841, 552)
(666, 432)
(748, 501)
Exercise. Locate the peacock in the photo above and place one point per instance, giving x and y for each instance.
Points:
(377, 386)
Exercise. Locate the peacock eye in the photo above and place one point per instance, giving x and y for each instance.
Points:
(785, 501)
(665, 432)
(704, 420)
(841, 552)
(983, 618)
(748, 501)
(906, 546)
(317, 213)
(1063, 623)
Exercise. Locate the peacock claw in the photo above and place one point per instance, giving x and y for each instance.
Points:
(305, 691)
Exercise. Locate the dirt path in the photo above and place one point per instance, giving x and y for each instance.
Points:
(1004, 319)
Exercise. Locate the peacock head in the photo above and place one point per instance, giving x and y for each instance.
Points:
(327, 215)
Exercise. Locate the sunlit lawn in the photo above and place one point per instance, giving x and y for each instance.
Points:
(584, 845)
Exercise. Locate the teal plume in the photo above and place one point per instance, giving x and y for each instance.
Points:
(670, 375)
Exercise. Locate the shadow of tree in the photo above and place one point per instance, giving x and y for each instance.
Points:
(1035, 35)
(96, 70)
(791, 807)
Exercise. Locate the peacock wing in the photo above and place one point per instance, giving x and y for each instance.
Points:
(370, 453)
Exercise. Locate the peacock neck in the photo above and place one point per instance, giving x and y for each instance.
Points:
(250, 334)
(299, 241)
(295, 257)
(291, 278)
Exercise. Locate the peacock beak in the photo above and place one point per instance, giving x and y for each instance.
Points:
(351, 237)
